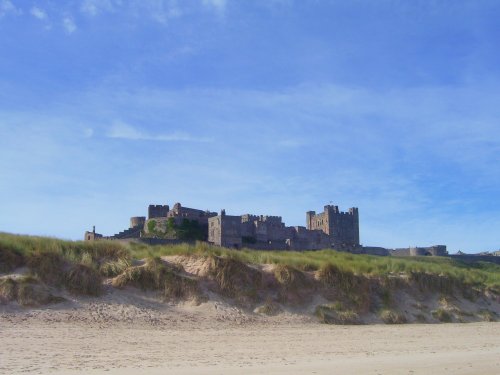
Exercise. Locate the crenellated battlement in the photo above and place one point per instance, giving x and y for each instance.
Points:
(157, 210)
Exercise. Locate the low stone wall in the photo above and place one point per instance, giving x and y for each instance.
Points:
(476, 258)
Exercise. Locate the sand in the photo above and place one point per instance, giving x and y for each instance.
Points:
(33, 343)
(130, 331)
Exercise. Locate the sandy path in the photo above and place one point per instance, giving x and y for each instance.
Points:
(71, 348)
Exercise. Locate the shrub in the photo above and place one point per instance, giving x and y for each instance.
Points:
(151, 226)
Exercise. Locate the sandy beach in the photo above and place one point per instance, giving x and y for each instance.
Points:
(34, 344)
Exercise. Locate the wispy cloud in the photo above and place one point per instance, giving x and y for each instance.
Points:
(38, 13)
(95, 7)
(69, 24)
(88, 132)
(125, 131)
(218, 5)
(6, 7)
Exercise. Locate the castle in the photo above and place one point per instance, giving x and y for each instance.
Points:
(330, 229)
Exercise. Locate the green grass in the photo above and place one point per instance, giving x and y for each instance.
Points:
(446, 272)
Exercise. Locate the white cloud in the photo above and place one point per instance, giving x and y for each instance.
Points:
(94, 7)
(218, 5)
(122, 130)
(69, 25)
(38, 13)
(88, 132)
(162, 12)
(6, 7)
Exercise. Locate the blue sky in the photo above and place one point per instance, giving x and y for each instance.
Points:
(268, 106)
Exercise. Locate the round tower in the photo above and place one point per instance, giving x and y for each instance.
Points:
(137, 221)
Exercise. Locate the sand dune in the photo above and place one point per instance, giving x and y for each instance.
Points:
(126, 330)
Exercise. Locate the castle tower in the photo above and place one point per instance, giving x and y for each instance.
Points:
(341, 227)
(309, 217)
(137, 222)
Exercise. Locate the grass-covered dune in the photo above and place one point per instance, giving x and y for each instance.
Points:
(265, 281)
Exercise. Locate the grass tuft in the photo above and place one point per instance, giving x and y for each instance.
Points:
(113, 268)
(335, 314)
(8, 290)
(82, 279)
(10, 259)
(158, 275)
(488, 315)
(27, 291)
(290, 278)
(392, 317)
(442, 315)
(48, 266)
(233, 277)
(333, 276)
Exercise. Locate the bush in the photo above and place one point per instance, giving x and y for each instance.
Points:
(151, 226)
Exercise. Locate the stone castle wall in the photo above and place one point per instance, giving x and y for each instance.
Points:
(155, 211)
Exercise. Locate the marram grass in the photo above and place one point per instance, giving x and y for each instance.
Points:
(100, 253)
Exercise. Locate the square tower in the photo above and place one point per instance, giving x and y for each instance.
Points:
(341, 227)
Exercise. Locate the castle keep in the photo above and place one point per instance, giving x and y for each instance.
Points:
(341, 227)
